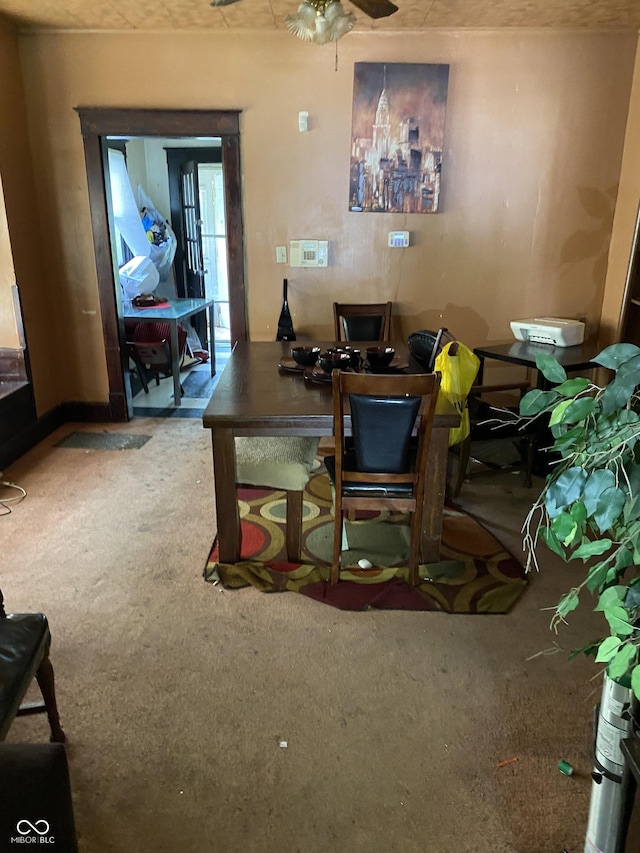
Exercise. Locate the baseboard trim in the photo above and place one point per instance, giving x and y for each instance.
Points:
(34, 432)
(86, 412)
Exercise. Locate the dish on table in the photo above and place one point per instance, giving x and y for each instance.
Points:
(305, 356)
(288, 363)
(317, 374)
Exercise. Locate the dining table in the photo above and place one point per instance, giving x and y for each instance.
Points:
(174, 311)
(256, 396)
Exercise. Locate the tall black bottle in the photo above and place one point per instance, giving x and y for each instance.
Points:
(285, 323)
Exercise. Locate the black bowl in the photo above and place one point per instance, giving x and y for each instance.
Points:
(354, 356)
(380, 356)
(305, 356)
(332, 359)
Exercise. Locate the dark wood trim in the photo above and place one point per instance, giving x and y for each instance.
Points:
(95, 156)
(175, 156)
(17, 419)
(97, 123)
(235, 237)
(175, 159)
(87, 412)
(30, 430)
(105, 121)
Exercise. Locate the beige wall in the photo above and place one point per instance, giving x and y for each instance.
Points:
(533, 142)
(8, 322)
(20, 240)
(625, 218)
(10, 75)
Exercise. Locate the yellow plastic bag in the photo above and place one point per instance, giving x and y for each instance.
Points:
(459, 372)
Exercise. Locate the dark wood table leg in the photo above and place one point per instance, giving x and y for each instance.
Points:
(435, 485)
(224, 478)
(46, 682)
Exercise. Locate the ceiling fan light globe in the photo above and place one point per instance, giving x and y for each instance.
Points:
(342, 25)
(323, 31)
(334, 10)
(319, 21)
(303, 22)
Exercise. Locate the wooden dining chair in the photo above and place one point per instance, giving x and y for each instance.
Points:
(362, 321)
(24, 655)
(283, 463)
(381, 468)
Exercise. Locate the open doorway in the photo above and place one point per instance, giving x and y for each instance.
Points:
(97, 126)
(168, 231)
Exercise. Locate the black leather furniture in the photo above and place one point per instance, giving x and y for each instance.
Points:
(35, 794)
(24, 655)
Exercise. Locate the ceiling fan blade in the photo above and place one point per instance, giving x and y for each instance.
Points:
(375, 8)
(215, 3)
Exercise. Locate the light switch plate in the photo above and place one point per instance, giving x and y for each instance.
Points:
(281, 254)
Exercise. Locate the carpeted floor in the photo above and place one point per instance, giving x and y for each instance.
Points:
(474, 574)
(178, 696)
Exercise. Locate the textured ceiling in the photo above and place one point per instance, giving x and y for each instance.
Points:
(270, 14)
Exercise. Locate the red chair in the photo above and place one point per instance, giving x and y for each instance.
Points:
(150, 350)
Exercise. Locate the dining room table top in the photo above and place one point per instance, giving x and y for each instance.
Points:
(255, 396)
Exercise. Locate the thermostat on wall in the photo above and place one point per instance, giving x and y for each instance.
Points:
(308, 253)
(398, 239)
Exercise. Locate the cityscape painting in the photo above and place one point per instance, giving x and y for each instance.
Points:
(397, 135)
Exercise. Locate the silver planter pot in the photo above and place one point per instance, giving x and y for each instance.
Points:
(618, 718)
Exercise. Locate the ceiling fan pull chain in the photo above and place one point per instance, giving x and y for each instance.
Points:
(336, 63)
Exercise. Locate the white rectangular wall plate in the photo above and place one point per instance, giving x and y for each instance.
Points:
(308, 253)
(398, 239)
(281, 254)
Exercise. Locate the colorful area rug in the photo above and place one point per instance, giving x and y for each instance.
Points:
(474, 575)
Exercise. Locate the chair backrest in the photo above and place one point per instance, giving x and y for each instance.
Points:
(425, 345)
(150, 333)
(362, 321)
(151, 345)
(385, 411)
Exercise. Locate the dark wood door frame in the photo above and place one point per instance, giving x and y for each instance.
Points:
(97, 123)
(176, 157)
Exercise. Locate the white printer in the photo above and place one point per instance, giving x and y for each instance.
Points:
(549, 330)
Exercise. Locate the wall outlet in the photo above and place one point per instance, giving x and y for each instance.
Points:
(281, 254)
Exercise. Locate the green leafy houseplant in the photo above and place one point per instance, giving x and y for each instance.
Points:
(589, 508)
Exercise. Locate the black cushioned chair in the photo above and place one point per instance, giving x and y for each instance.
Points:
(24, 655)
(379, 469)
(362, 321)
(489, 421)
(425, 345)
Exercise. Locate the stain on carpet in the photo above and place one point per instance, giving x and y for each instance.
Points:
(103, 441)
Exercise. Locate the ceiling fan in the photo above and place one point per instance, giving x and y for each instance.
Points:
(321, 21)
